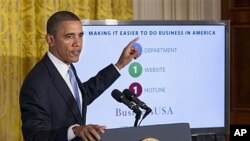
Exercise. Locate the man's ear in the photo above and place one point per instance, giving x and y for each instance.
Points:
(50, 40)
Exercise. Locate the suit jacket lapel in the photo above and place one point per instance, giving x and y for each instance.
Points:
(63, 89)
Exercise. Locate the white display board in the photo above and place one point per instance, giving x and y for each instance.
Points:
(181, 72)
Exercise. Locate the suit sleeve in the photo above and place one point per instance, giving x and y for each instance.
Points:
(96, 85)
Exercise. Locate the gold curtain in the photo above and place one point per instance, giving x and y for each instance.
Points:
(22, 44)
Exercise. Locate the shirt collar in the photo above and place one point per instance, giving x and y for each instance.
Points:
(61, 66)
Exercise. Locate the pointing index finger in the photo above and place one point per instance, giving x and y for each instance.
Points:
(134, 40)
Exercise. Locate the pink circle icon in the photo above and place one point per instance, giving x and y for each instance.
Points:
(136, 88)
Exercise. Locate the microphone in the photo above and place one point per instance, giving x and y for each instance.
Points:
(131, 96)
(120, 97)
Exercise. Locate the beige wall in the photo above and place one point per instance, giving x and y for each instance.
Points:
(177, 9)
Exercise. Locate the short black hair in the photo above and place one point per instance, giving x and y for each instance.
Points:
(58, 17)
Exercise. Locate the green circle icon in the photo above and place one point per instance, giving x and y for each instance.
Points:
(135, 69)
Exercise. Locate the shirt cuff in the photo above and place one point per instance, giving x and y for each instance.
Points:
(116, 68)
(71, 134)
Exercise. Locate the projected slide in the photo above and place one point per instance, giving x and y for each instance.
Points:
(180, 73)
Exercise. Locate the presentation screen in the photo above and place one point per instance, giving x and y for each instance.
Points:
(181, 72)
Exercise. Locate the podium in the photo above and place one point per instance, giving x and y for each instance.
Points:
(163, 132)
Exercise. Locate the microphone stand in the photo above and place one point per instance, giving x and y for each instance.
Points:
(137, 115)
(148, 110)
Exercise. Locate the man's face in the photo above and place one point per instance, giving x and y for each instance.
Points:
(66, 44)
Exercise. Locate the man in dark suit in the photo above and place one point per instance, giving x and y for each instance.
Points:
(49, 110)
